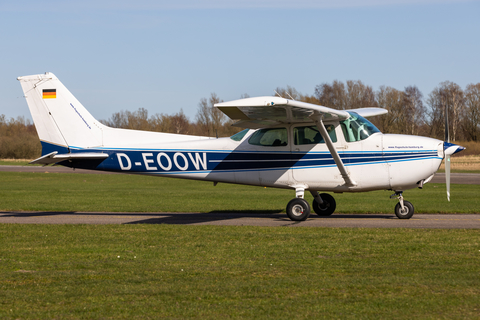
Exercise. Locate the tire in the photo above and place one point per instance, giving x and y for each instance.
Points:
(298, 209)
(327, 208)
(407, 214)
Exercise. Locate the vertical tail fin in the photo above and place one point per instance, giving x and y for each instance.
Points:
(62, 122)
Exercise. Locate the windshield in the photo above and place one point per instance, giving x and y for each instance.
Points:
(239, 136)
(357, 128)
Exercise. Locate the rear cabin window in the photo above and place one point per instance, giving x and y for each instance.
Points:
(271, 137)
(311, 135)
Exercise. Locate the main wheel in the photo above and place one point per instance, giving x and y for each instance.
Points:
(407, 213)
(298, 209)
(327, 207)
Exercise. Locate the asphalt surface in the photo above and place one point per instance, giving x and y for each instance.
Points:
(419, 221)
(430, 221)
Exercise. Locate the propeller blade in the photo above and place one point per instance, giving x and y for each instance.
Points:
(447, 175)
(447, 155)
(448, 150)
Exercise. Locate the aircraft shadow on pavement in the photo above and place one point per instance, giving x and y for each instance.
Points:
(187, 218)
(20, 214)
(195, 218)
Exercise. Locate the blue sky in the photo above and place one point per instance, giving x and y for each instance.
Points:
(166, 55)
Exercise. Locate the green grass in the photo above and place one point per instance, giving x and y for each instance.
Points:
(459, 171)
(214, 272)
(131, 193)
(14, 162)
(220, 272)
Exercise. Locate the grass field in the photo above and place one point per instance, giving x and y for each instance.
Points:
(135, 193)
(469, 163)
(220, 272)
(213, 272)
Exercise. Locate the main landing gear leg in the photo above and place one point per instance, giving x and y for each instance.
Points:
(298, 209)
(403, 209)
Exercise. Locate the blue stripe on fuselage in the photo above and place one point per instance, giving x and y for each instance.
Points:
(187, 161)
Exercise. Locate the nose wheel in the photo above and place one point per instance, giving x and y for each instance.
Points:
(403, 209)
(298, 209)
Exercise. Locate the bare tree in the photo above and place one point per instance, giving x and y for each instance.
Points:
(210, 119)
(217, 117)
(414, 109)
(447, 97)
(471, 118)
(161, 123)
(203, 117)
(180, 123)
(359, 95)
(331, 95)
(392, 100)
(138, 120)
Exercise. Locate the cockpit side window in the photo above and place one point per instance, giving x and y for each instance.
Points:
(311, 135)
(357, 128)
(271, 137)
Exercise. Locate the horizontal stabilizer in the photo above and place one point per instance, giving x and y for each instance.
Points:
(54, 157)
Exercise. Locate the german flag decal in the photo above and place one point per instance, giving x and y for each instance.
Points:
(49, 93)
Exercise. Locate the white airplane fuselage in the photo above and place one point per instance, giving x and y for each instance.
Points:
(380, 162)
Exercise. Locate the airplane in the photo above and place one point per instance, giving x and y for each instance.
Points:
(285, 144)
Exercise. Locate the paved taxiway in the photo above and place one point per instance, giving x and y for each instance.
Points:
(427, 221)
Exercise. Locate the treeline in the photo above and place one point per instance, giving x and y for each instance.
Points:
(18, 139)
(209, 121)
(409, 113)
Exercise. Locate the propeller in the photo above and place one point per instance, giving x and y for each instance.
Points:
(448, 149)
(447, 156)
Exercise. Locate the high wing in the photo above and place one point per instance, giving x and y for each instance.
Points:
(264, 112)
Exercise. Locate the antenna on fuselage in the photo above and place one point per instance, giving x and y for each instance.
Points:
(285, 92)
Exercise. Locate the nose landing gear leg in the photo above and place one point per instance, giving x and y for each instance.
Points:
(403, 209)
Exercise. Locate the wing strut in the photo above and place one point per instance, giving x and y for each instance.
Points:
(317, 118)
